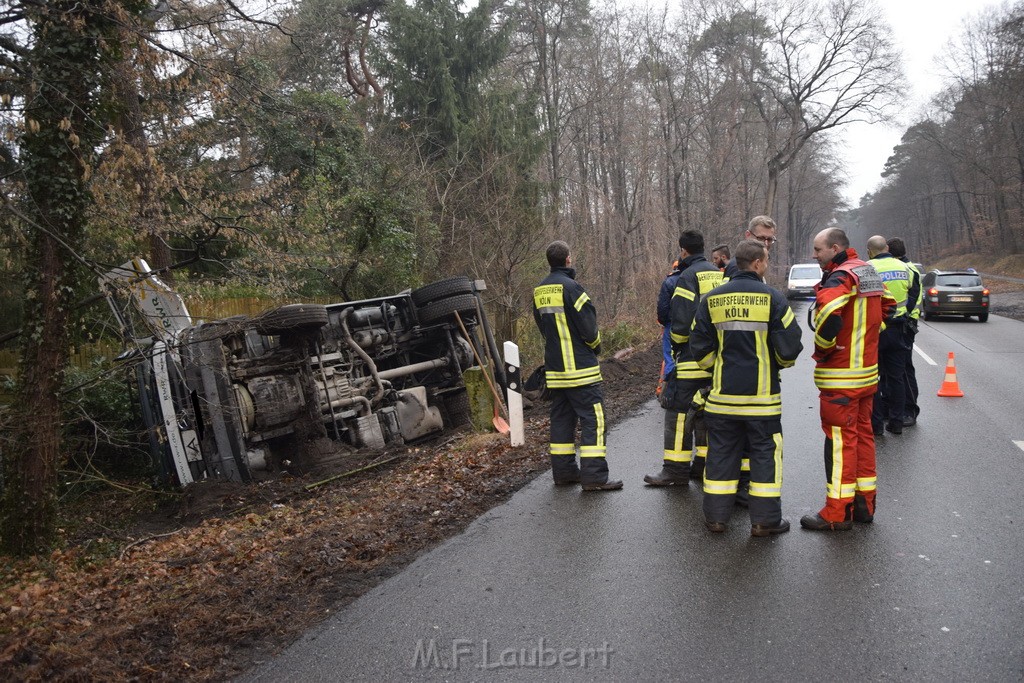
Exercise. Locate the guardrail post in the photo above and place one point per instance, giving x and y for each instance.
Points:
(515, 394)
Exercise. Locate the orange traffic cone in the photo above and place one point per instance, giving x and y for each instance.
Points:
(950, 387)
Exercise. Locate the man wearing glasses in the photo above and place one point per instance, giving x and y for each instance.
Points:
(762, 229)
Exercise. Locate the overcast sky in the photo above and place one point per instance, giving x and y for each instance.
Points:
(921, 28)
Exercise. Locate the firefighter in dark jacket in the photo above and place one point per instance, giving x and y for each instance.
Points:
(698, 277)
(744, 332)
(568, 322)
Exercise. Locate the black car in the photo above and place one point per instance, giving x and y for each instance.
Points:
(955, 292)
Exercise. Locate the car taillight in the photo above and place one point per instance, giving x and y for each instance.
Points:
(984, 292)
(933, 292)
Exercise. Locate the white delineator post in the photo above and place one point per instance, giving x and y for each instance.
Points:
(515, 394)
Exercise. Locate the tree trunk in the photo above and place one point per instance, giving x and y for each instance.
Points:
(59, 137)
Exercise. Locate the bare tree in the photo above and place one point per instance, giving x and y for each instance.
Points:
(826, 64)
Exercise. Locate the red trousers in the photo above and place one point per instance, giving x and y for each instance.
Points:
(849, 451)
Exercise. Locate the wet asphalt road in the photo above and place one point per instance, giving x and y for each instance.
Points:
(559, 585)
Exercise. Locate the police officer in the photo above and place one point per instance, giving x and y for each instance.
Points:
(698, 277)
(568, 322)
(745, 332)
(892, 343)
(915, 299)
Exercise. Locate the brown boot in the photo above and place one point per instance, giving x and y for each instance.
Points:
(677, 475)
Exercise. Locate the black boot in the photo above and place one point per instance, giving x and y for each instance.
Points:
(815, 522)
(762, 530)
(860, 510)
(672, 474)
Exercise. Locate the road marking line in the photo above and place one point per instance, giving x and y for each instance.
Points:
(1020, 444)
(924, 355)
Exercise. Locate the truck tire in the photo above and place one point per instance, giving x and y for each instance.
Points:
(218, 329)
(440, 310)
(456, 408)
(291, 318)
(442, 289)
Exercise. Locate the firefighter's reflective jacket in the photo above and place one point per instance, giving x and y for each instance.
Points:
(851, 305)
(568, 322)
(699, 276)
(745, 332)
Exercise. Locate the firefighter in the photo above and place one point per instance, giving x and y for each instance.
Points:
(762, 229)
(890, 396)
(851, 304)
(745, 332)
(915, 299)
(698, 277)
(568, 322)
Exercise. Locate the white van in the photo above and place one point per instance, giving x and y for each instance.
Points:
(802, 278)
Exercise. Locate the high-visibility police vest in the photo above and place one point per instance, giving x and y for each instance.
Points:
(915, 274)
(895, 276)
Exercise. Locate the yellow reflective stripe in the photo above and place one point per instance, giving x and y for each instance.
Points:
(860, 329)
(708, 361)
(676, 454)
(565, 340)
(592, 451)
(575, 378)
(597, 341)
(562, 449)
(835, 481)
(788, 317)
(720, 486)
(831, 307)
(679, 338)
(599, 412)
(846, 372)
(745, 411)
(764, 366)
(685, 293)
(765, 490)
(846, 383)
(844, 491)
(744, 464)
(741, 399)
(822, 342)
(584, 298)
(772, 489)
(702, 451)
(867, 483)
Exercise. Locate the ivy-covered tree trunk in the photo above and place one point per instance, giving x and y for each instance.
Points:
(59, 136)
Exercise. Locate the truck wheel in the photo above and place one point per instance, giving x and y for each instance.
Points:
(218, 329)
(291, 318)
(439, 310)
(983, 317)
(456, 408)
(442, 289)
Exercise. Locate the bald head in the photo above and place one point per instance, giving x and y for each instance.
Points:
(828, 243)
(876, 245)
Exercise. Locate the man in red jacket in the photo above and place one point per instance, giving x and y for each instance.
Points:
(851, 305)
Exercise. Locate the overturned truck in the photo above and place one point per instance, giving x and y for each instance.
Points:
(232, 398)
